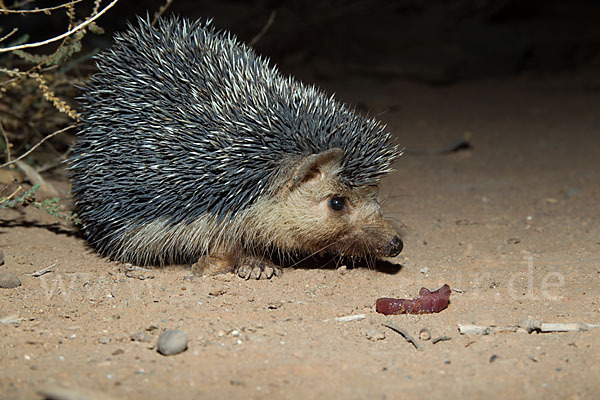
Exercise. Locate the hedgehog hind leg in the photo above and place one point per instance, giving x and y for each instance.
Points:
(256, 267)
(209, 265)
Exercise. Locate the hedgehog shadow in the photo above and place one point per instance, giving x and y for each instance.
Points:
(332, 262)
(55, 228)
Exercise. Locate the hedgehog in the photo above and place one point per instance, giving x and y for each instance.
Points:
(194, 149)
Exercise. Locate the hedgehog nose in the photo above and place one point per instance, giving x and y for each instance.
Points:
(394, 247)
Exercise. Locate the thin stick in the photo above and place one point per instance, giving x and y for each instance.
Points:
(405, 334)
(56, 162)
(43, 271)
(54, 39)
(161, 11)
(6, 142)
(264, 30)
(9, 34)
(22, 156)
(528, 325)
(36, 10)
(13, 194)
(441, 339)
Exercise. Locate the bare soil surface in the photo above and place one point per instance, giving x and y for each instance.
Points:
(512, 224)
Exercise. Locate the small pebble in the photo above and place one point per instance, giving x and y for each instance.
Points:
(9, 280)
(104, 340)
(140, 337)
(513, 241)
(1, 257)
(217, 292)
(424, 334)
(172, 342)
(572, 191)
(274, 305)
(375, 335)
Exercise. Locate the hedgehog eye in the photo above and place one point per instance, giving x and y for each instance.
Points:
(337, 203)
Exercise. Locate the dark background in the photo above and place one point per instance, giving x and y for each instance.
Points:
(432, 41)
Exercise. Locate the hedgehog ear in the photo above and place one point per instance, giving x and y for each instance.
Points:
(314, 167)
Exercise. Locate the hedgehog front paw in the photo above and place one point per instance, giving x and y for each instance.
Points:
(257, 268)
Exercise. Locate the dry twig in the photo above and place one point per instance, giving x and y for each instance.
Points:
(264, 30)
(404, 334)
(6, 142)
(37, 10)
(528, 325)
(36, 146)
(59, 37)
(161, 11)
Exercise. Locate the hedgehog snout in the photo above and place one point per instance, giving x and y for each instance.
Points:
(393, 248)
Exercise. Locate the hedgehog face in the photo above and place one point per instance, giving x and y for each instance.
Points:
(342, 220)
(314, 212)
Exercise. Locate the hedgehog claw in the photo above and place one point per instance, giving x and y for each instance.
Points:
(256, 273)
(268, 272)
(243, 272)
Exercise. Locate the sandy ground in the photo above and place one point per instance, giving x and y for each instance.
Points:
(513, 223)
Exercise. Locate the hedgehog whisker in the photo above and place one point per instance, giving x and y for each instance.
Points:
(314, 253)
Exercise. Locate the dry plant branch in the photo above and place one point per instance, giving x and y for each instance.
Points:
(9, 34)
(58, 161)
(161, 11)
(48, 94)
(46, 10)
(13, 194)
(96, 7)
(37, 145)
(6, 142)
(264, 30)
(59, 37)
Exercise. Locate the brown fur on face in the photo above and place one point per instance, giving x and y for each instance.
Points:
(300, 216)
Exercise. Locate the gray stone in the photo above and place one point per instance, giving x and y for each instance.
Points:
(140, 337)
(8, 280)
(172, 342)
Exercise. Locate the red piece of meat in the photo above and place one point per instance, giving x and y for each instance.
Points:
(427, 302)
